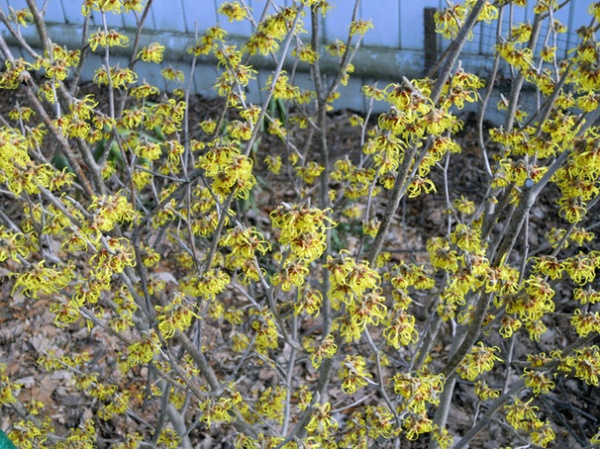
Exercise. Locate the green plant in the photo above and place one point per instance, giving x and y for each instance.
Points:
(144, 240)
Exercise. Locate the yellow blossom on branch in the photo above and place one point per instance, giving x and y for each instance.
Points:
(480, 360)
(152, 53)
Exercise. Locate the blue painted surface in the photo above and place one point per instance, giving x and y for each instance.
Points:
(398, 29)
(385, 17)
(397, 24)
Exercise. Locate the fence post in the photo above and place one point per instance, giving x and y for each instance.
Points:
(430, 41)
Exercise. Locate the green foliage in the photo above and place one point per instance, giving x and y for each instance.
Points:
(165, 240)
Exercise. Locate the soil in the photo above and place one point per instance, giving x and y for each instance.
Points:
(27, 331)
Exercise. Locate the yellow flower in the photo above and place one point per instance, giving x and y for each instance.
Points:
(484, 392)
(114, 6)
(415, 425)
(309, 172)
(401, 331)
(449, 20)
(40, 280)
(172, 74)
(537, 381)
(326, 350)
(208, 285)
(306, 53)
(119, 78)
(273, 163)
(580, 267)
(303, 228)
(321, 421)
(309, 300)
(152, 53)
(144, 350)
(263, 323)
(353, 373)
(586, 363)
(22, 16)
(481, 359)
(271, 403)
(585, 323)
(233, 10)
(292, 274)
(520, 413)
(360, 27)
(418, 185)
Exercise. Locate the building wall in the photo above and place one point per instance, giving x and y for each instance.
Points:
(394, 48)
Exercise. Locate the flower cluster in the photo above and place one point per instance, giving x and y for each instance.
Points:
(302, 228)
(522, 416)
(164, 239)
(480, 360)
(353, 374)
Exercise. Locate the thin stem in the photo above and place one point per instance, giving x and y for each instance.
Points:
(270, 89)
